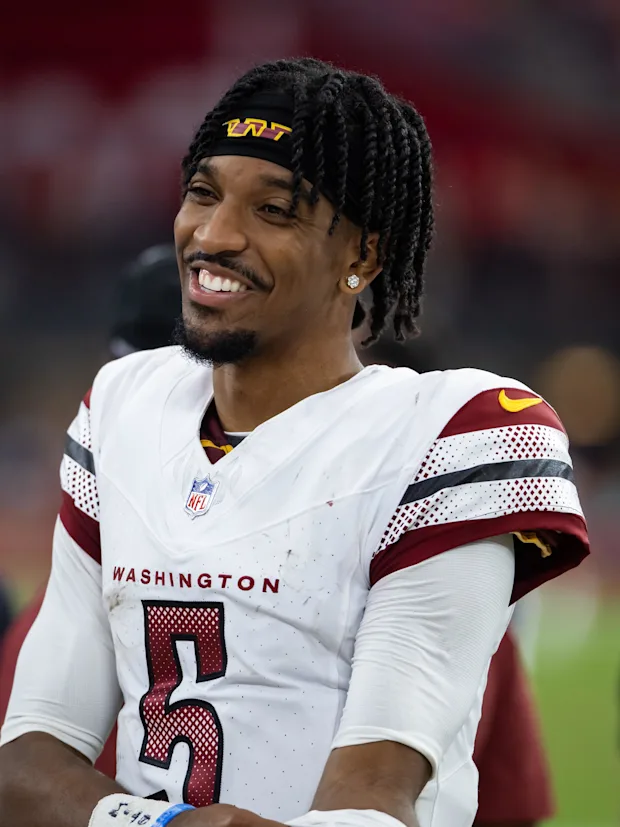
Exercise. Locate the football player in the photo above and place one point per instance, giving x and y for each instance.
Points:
(514, 786)
(288, 572)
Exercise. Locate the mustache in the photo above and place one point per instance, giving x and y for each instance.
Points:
(228, 263)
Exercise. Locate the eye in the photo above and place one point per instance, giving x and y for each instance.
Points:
(201, 191)
(276, 211)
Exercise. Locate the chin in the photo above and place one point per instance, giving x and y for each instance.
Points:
(214, 347)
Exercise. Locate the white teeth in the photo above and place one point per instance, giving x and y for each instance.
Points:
(218, 284)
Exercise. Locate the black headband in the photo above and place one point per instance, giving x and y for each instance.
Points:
(262, 128)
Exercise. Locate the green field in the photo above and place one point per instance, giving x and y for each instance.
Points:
(577, 682)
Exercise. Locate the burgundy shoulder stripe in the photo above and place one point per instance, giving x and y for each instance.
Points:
(531, 568)
(81, 528)
(86, 399)
(485, 411)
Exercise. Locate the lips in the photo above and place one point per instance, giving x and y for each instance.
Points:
(198, 265)
(217, 284)
(208, 290)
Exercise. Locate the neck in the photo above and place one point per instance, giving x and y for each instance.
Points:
(250, 393)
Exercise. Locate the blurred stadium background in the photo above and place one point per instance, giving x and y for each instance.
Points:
(97, 105)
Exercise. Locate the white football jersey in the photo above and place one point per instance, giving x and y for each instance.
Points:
(234, 590)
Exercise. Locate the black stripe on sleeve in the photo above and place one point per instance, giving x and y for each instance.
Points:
(80, 454)
(507, 470)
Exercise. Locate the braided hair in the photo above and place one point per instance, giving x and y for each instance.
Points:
(396, 197)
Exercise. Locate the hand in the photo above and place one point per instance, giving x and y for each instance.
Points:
(222, 815)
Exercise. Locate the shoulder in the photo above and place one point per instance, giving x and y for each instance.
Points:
(444, 403)
(492, 443)
(122, 375)
(464, 400)
(125, 378)
(495, 461)
(140, 381)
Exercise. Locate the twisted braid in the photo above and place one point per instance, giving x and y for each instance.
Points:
(300, 97)
(318, 132)
(395, 296)
(409, 207)
(342, 148)
(370, 200)
(396, 191)
(329, 107)
(427, 217)
(371, 152)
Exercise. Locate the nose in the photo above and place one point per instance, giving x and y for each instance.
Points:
(222, 231)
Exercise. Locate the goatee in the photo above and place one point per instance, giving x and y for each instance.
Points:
(229, 347)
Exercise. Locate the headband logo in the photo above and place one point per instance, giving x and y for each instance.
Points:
(257, 128)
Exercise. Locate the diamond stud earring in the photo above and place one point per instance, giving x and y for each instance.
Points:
(353, 281)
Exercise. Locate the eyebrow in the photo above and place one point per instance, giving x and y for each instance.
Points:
(206, 168)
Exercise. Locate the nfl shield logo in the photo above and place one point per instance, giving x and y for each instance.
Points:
(201, 496)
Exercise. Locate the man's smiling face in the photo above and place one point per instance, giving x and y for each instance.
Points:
(253, 276)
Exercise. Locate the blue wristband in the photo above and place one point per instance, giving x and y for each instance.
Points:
(170, 813)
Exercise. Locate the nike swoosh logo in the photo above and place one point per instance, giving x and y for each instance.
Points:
(516, 405)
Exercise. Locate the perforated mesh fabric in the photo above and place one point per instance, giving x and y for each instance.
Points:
(492, 498)
(453, 453)
(81, 486)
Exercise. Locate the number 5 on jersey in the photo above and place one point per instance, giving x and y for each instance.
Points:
(191, 721)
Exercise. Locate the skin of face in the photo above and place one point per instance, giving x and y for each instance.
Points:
(235, 223)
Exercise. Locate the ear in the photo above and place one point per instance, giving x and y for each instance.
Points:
(366, 270)
(370, 268)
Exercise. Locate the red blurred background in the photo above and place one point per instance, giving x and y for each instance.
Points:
(98, 105)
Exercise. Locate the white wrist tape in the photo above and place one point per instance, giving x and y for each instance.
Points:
(131, 811)
(345, 818)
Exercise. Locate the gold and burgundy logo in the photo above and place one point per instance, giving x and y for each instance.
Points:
(256, 128)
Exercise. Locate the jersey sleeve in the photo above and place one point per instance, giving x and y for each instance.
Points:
(65, 681)
(500, 465)
(416, 676)
(79, 512)
(9, 651)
